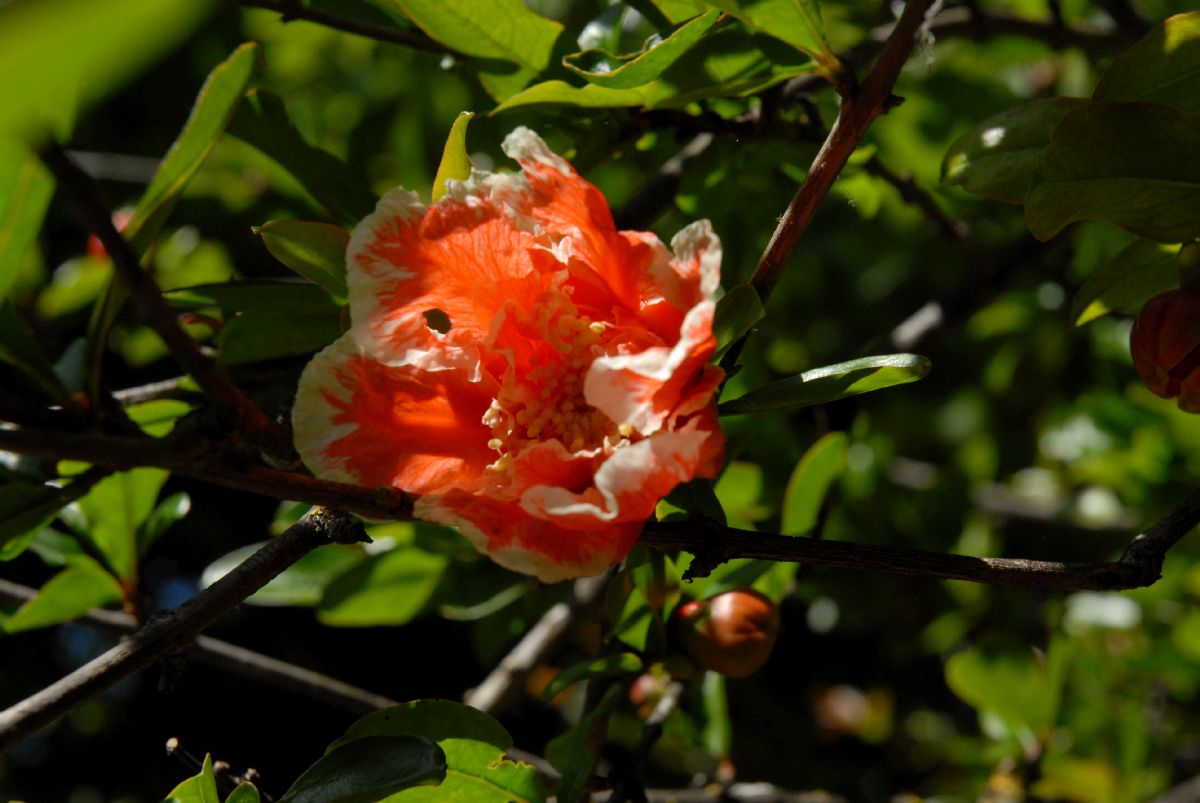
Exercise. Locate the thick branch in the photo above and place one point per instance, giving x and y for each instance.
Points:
(80, 189)
(858, 111)
(295, 10)
(174, 629)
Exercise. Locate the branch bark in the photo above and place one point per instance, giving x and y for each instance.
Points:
(174, 630)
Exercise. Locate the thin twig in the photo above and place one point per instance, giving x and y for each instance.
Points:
(640, 211)
(81, 190)
(873, 98)
(175, 629)
(295, 10)
(500, 688)
(953, 230)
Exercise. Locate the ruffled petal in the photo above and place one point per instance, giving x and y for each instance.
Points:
(361, 421)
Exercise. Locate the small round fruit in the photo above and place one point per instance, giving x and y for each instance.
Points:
(1165, 344)
(731, 633)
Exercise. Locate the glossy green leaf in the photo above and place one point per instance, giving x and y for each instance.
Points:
(25, 189)
(113, 511)
(291, 298)
(301, 584)
(369, 769)
(631, 70)
(737, 313)
(823, 463)
(831, 382)
(262, 121)
(560, 93)
(214, 107)
(19, 348)
(474, 745)
(512, 44)
(387, 589)
(316, 251)
(200, 788)
(259, 337)
(797, 22)
(1130, 164)
(25, 507)
(1162, 67)
(60, 56)
(456, 162)
(74, 591)
(1141, 270)
(245, 793)
(165, 514)
(625, 663)
(998, 158)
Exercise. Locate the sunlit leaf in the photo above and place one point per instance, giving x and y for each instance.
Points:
(387, 589)
(245, 793)
(797, 22)
(1130, 164)
(1162, 66)
(997, 158)
(1141, 270)
(456, 162)
(810, 481)
(632, 70)
(831, 382)
(74, 591)
(164, 515)
(302, 584)
(200, 788)
(316, 251)
(113, 511)
(369, 769)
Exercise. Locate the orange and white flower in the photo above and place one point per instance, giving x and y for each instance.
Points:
(537, 377)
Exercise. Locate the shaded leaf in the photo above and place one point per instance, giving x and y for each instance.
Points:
(258, 337)
(456, 163)
(1011, 683)
(19, 348)
(165, 514)
(831, 382)
(214, 107)
(245, 793)
(25, 189)
(632, 70)
(1130, 164)
(292, 298)
(571, 754)
(998, 158)
(200, 788)
(625, 663)
(387, 589)
(303, 583)
(436, 720)
(263, 122)
(25, 508)
(635, 618)
(369, 769)
(1139, 271)
(74, 591)
(821, 465)
(316, 251)
(737, 313)
(1161, 67)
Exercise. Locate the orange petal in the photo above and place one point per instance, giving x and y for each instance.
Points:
(358, 420)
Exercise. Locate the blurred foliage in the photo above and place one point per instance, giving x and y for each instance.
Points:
(242, 166)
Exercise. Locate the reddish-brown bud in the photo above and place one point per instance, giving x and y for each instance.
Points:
(1165, 343)
(731, 633)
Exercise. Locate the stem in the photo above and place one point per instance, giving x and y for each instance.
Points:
(295, 10)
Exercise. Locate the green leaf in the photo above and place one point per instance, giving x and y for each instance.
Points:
(1130, 164)
(387, 589)
(262, 121)
(797, 22)
(74, 591)
(316, 251)
(369, 769)
(718, 731)
(1162, 67)
(635, 69)
(456, 163)
(214, 107)
(998, 158)
(1139, 271)
(1011, 683)
(821, 465)
(114, 510)
(60, 56)
(165, 514)
(625, 663)
(26, 507)
(301, 584)
(560, 93)
(291, 298)
(512, 44)
(157, 417)
(25, 190)
(200, 788)
(19, 348)
(258, 337)
(635, 618)
(571, 752)
(474, 745)
(737, 313)
(831, 382)
(245, 793)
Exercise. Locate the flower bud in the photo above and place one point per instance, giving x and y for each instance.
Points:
(731, 633)
(1165, 343)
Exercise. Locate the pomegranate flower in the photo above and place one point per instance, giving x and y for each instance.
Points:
(539, 379)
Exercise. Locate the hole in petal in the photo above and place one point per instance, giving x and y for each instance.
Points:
(437, 320)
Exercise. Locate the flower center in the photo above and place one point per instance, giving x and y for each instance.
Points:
(545, 400)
